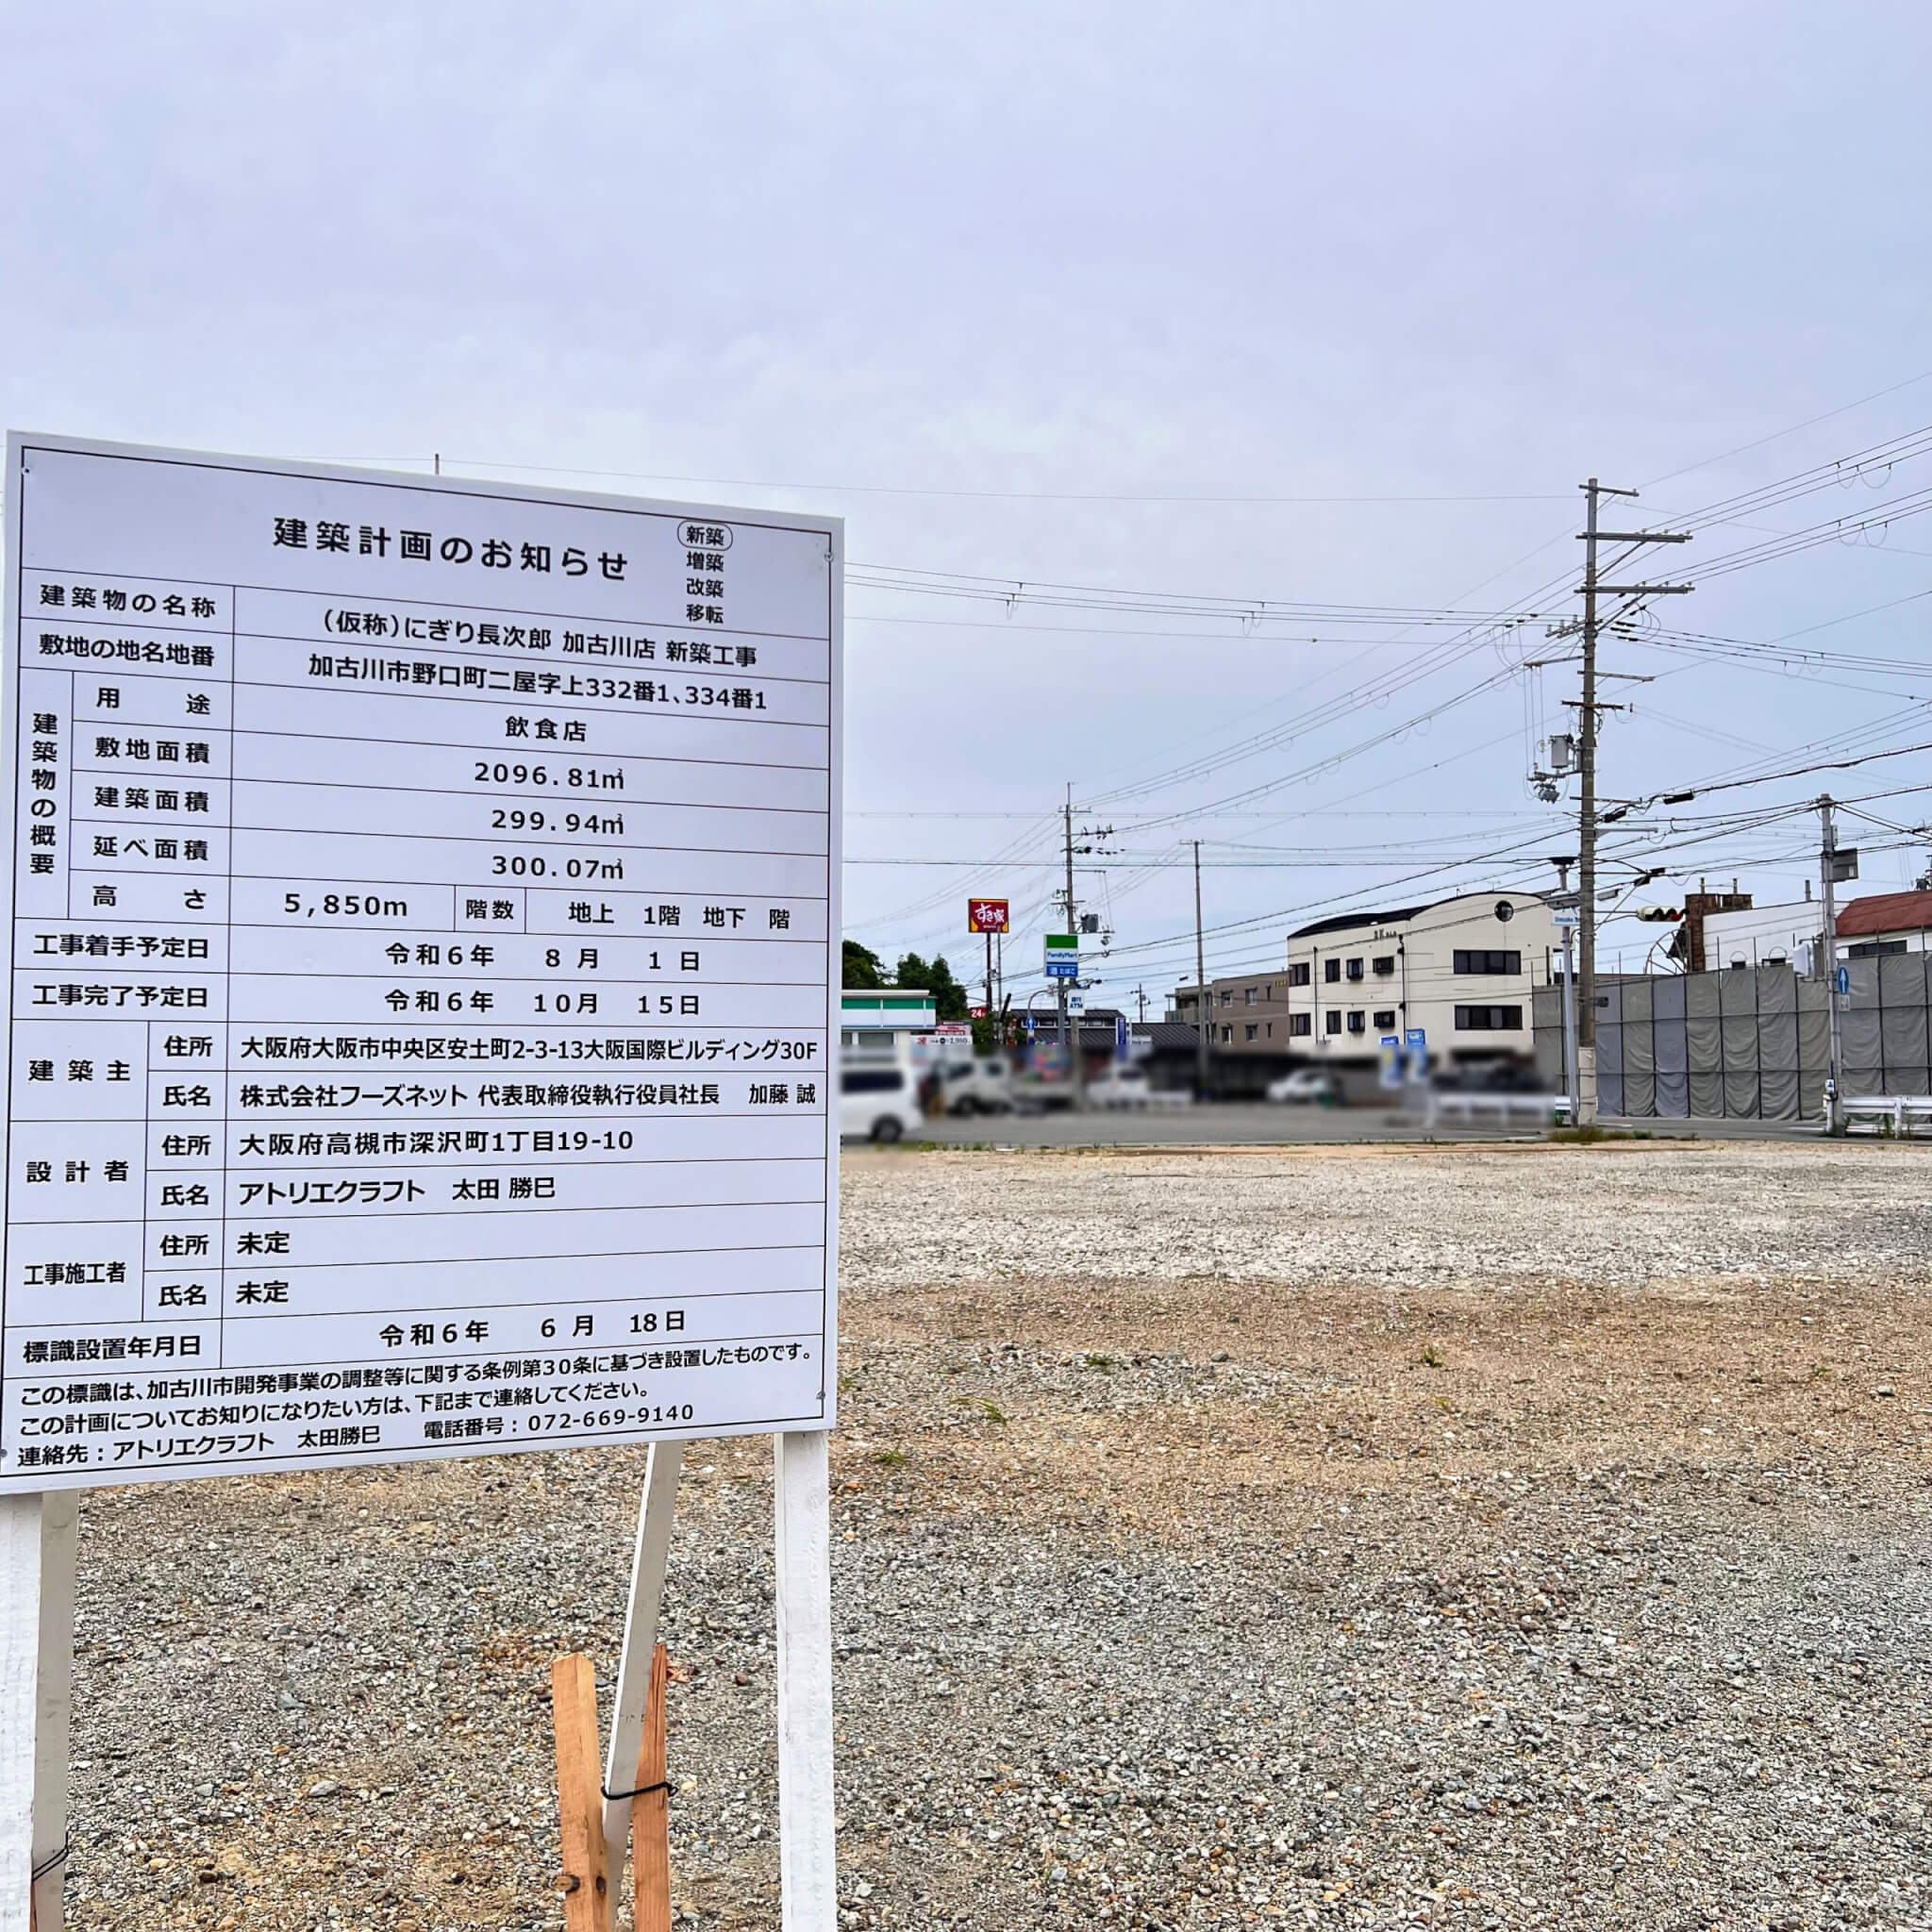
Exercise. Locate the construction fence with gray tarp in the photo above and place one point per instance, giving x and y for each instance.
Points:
(1749, 1042)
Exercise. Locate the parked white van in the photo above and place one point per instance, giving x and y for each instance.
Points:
(877, 1101)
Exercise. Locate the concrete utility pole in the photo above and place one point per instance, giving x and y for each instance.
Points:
(1071, 1039)
(1204, 1010)
(1827, 880)
(1593, 587)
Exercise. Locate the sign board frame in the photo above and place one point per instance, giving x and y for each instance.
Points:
(989, 916)
(161, 521)
(36, 1510)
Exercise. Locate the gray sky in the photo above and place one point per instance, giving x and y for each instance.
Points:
(1409, 271)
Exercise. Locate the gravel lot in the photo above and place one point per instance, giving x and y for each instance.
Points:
(1341, 1536)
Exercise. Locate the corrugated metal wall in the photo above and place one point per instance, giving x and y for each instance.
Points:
(1755, 1043)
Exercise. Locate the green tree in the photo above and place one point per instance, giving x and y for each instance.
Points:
(936, 977)
(863, 972)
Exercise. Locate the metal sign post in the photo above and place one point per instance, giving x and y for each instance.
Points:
(424, 902)
(1061, 959)
(1567, 924)
(990, 917)
(1389, 1061)
(1565, 913)
(1415, 1071)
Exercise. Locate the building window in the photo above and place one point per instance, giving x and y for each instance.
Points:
(1250, 1031)
(1384, 1018)
(1478, 961)
(1865, 949)
(1298, 975)
(1331, 971)
(1271, 1029)
(1489, 1019)
(1248, 993)
(1357, 1021)
(1384, 965)
(1300, 1025)
(1355, 969)
(1331, 1022)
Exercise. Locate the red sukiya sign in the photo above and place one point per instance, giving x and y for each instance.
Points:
(986, 915)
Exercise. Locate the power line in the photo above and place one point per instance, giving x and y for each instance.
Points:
(1795, 771)
(1731, 826)
(1816, 534)
(1013, 591)
(953, 491)
(1835, 473)
(1810, 423)
(1252, 613)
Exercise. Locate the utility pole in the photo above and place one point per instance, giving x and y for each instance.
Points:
(1068, 1045)
(1141, 995)
(1095, 835)
(1072, 1038)
(1827, 880)
(1204, 1010)
(1566, 902)
(1593, 587)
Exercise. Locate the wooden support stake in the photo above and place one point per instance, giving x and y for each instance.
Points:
(646, 1599)
(650, 1844)
(580, 1800)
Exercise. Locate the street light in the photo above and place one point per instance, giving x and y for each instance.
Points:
(1051, 993)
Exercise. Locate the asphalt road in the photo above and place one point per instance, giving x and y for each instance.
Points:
(1247, 1124)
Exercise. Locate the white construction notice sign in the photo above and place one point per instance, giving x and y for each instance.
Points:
(425, 922)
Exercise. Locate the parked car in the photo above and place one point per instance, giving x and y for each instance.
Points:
(1307, 1087)
(1120, 1087)
(1042, 1090)
(878, 1104)
(1490, 1076)
(976, 1086)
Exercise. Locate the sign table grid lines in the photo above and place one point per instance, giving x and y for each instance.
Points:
(421, 1010)
(58, 568)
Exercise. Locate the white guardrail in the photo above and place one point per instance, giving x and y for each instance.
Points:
(1533, 1109)
(1902, 1114)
